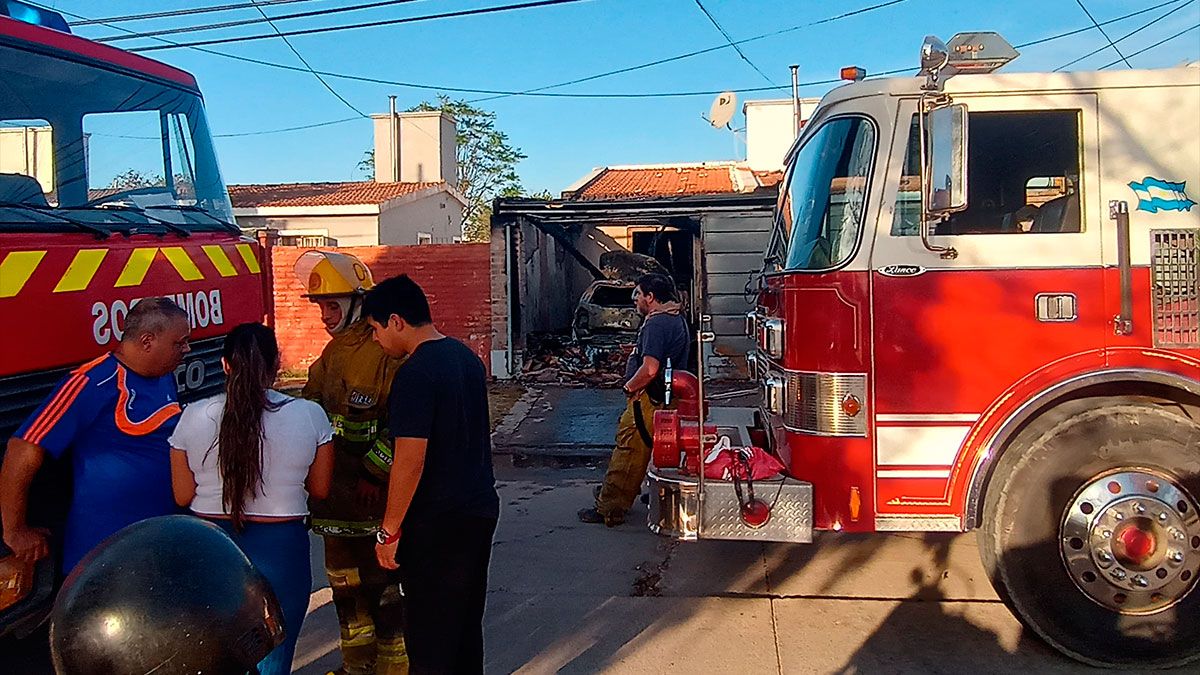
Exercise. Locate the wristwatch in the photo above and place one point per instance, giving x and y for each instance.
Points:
(383, 537)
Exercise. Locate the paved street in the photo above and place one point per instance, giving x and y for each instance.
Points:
(575, 598)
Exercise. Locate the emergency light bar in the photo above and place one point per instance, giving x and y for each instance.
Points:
(979, 53)
(853, 73)
(26, 13)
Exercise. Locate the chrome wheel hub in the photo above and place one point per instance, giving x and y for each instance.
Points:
(1131, 541)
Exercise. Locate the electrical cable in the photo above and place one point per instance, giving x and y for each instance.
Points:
(366, 24)
(181, 12)
(729, 39)
(1156, 44)
(1123, 37)
(247, 22)
(308, 65)
(1103, 32)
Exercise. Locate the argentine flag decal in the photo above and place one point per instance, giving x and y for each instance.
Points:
(1156, 195)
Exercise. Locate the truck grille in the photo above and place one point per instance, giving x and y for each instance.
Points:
(21, 394)
(1175, 270)
(814, 403)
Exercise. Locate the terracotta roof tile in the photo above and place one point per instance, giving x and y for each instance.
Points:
(320, 194)
(769, 179)
(654, 182)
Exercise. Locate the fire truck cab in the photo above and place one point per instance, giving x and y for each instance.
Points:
(979, 311)
(109, 192)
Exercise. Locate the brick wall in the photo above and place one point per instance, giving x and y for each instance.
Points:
(456, 277)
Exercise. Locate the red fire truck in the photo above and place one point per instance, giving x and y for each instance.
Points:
(109, 192)
(979, 311)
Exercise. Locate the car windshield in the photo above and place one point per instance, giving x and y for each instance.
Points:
(820, 213)
(85, 146)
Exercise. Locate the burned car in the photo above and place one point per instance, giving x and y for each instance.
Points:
(606, 307)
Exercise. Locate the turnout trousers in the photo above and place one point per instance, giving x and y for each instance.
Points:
(370, 607)
(630, 457)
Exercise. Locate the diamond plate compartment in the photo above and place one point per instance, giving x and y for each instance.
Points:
(675, 509)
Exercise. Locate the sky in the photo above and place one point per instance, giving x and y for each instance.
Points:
(564, 138)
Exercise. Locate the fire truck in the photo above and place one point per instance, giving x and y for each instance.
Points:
(979, 311)
(109, 193)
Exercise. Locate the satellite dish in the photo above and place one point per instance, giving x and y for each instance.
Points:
(722, 110)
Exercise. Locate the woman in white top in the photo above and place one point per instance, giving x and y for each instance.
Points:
(248, 460)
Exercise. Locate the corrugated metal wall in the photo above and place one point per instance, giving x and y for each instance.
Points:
(734, 244)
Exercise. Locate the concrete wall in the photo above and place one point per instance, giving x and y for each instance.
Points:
(456, 278)
(347, 230)
(426, 144)
(439, 215)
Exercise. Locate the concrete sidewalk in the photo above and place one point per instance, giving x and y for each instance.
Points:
(561, 422)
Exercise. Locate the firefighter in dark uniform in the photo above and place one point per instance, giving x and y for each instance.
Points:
(351, 381)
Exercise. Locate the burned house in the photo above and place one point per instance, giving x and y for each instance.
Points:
(556, 262)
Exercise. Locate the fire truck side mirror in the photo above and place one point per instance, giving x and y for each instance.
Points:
(947, 160)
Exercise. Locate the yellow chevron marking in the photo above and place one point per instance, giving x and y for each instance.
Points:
(83, 268)
(182, 263)
(219, 260)
(16, 269)
(135, 270)
(249, 258)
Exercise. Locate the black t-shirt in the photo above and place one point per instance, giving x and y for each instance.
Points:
(440, 394)
(664, 337)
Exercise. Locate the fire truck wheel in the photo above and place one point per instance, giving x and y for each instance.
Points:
(1091, 532)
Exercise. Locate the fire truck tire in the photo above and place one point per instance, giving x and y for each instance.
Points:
(1091, 532)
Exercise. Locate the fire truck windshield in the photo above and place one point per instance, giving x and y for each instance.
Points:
(81, 143)
(821, 209)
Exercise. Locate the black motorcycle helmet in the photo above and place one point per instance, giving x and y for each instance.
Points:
(167, 595)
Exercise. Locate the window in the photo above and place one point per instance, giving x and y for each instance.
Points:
(1023, 169)
(424, 238)
(821, 210)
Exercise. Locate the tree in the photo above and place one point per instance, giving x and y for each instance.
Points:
(133, 178)
(487, 163)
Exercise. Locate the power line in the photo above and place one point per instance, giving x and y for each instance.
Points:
(698, 52)
(182, 12)
(366, 24)
(733, 44)
(286, 129)
(307, 64)
(1156, 44)
(1102, 23)
(133, 35)
(1123, 37)
(1104, 33)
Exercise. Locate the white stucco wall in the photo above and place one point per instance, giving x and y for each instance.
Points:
(347, 230)
(770, 130)
(439, 215)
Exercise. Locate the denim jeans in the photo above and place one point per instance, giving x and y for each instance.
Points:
(280, 552)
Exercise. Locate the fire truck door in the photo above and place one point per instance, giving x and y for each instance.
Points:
(951, 334)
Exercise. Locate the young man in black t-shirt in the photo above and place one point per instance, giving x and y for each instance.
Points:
(442, 504)
(663, 340)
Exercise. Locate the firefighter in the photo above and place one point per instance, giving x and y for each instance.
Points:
(351, 380)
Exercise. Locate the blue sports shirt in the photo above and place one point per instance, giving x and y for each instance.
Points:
(113, 425)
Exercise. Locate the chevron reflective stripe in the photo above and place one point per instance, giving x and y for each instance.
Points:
(249, 258)
(190, 263)
(217, 256)
(182, 263)
(15, 270)
(83, 268)
(136, 267)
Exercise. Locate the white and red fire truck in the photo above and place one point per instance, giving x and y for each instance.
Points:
(109, 192)
(979, 311)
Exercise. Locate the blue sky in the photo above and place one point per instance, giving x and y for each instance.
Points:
(565, 138)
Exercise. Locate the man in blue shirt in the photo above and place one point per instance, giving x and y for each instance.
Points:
(111, 417)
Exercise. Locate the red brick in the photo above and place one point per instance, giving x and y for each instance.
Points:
(455, 277)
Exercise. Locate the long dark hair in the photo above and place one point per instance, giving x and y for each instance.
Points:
(253, 357)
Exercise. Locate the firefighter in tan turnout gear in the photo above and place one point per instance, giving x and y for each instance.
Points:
(351, 381)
